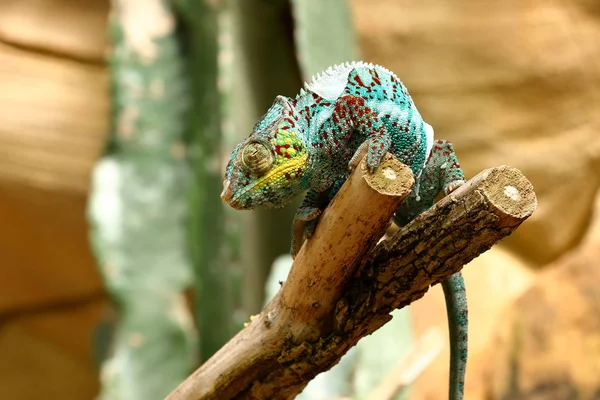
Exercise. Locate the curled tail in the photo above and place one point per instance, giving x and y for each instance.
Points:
(458, 322)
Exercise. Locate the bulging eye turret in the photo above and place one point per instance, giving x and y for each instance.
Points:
(257, 157)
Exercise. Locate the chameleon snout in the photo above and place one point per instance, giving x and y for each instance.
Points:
(227, 195)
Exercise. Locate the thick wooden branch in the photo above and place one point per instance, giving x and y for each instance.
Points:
(343, 286)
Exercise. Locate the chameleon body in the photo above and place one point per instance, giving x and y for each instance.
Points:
(311, 142)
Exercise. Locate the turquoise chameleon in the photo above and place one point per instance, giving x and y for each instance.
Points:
(311, 143)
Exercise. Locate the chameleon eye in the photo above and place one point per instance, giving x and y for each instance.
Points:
(257, 157)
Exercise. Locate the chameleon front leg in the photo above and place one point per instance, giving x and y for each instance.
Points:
(352, 116)
(306, 218)
(309, 212)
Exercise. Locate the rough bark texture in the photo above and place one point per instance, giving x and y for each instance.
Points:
(280, 351)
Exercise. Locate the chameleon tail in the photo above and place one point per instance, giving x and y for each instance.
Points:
(458, 321)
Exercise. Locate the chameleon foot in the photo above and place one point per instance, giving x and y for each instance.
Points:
(452, 186)
(303, 227)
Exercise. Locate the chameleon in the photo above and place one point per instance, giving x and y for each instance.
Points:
(312, 142)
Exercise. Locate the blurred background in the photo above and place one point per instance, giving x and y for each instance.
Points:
(121, 270)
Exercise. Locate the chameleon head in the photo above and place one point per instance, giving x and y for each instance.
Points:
(267, 169)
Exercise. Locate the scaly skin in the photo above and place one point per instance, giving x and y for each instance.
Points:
(310, 144)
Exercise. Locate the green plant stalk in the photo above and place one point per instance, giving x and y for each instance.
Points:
(210, 245)
(324, 34)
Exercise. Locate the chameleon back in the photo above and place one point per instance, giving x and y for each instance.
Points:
(411, 137)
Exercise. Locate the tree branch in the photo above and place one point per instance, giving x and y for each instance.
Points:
(343, 286)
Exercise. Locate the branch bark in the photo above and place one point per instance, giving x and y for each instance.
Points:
(343, 285)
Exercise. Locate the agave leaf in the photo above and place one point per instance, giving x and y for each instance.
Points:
(137, 209)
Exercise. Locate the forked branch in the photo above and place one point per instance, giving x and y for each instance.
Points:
(343, 285)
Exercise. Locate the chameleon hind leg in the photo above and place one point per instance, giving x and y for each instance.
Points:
(443, 173)
(443, 159)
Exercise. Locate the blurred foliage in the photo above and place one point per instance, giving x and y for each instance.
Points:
(158, 226)
(137, 213)
(210, 249)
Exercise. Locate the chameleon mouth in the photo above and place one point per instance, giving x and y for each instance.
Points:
(227, 196)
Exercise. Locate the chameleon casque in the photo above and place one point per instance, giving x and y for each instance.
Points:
(311, 142)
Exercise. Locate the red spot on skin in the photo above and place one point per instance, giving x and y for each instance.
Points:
(299, 170)
(287, 146)
(357, 79)
(286, 155)
(287, 176)
(278, 149)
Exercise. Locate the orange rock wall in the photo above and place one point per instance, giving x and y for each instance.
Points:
(53, 122)
(511, 82)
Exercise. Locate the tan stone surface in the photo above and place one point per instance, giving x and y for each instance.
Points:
(44, 246)
(54, 121)
(54, 115)
(72, 28)
(508, 82)
(49, 355)
(493, 280)
(548, 344)
(53, 125)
